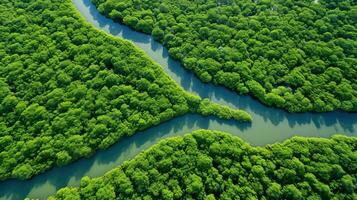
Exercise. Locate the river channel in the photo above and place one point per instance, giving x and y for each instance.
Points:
(269, 125)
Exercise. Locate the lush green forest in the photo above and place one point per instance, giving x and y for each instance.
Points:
(67, 89)
(299, 55)
(215, 165)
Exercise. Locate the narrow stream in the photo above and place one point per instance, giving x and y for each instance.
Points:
(269, 125)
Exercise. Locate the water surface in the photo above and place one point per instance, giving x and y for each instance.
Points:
(269, 125)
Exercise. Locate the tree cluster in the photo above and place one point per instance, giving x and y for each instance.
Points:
(215, 165)
(67, 90)
(299, 55)
(209, 108)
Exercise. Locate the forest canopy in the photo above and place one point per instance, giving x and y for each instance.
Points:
(214, 165)
(299, 55)
(67, 89)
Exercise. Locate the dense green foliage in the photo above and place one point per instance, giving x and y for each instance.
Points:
(67, 90)
(299, 55)
(207, 108)
(214, 165)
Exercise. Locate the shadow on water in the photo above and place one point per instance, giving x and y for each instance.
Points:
(269, 125)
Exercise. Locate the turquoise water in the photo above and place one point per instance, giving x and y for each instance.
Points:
(269, 125)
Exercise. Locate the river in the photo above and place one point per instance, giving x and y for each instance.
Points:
(269, 124)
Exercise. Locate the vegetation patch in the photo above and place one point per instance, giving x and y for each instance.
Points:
(215, 165)
(299, 55)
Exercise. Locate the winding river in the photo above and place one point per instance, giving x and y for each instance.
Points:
(269, 125)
